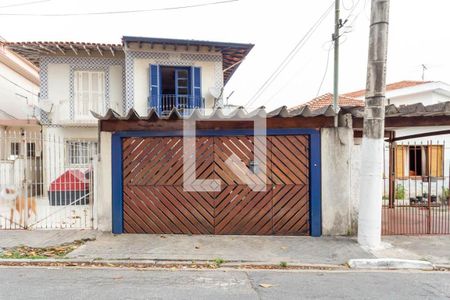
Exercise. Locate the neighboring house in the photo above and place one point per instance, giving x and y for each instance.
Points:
(417, 157)
(19, 88)
(416, 160)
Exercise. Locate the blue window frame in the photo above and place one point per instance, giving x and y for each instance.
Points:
(172, 86)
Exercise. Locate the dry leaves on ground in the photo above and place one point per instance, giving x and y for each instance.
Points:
(40, 253)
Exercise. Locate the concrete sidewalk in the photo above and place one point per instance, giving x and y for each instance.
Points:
(252, 249)
(256, 249)
(43, 238)
(432, 248)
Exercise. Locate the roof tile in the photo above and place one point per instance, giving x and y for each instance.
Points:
(326, 100)
(389, 87)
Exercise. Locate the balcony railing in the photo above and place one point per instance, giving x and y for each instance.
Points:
(167, 102)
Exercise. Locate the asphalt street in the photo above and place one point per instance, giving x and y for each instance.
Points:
(113, 283)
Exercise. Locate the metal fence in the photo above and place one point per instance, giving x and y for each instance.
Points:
(46, 181)
(416, 189)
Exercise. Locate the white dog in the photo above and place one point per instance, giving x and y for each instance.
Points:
(12, 198)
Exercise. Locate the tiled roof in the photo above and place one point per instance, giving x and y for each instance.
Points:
(232, 53)
(326, 100)
(32, 51)
(389, 87)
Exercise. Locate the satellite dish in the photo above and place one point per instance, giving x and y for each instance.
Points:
(215, 92)
(45, 105)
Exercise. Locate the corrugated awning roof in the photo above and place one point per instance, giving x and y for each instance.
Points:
(413, 110)
(175, 114)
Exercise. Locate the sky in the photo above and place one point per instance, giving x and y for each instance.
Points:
(419, 33)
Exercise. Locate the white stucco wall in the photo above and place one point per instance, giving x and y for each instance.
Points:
(427, 98)
(17, 100)
(59, 91)
(116, 88)
(59, 88)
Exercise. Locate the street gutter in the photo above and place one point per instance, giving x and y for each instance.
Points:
(353, 265)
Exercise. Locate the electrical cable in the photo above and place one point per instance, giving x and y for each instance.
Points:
(18, 85)
(24, 3)
(326, 70)
(289, 57)
(117, 12)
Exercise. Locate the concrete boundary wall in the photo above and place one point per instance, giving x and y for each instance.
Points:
(104, 187)
(337, 207)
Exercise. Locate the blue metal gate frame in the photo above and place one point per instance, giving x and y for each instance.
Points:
(315, 197)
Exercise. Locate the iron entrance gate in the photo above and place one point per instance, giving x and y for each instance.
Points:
(416, 194)
(153, 199)
(46, 180)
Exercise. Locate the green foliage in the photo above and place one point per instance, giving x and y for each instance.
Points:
(283, 264)
(445, 195)
(399, 192)
(218, 261)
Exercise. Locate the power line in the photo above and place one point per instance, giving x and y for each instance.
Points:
(19, 86)
(24, 3)
(326, 70)
(289, 57)
(119, 11)
(287, 82)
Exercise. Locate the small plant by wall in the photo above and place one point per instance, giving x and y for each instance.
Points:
(444, 197)
(399, 192)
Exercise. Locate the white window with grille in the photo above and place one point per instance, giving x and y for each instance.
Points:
(80, 153)
(15, 149)
(89, 93)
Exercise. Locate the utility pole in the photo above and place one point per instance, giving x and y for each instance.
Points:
(335, 37)
(370, 201)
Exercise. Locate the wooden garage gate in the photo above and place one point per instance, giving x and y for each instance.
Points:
(154, 200)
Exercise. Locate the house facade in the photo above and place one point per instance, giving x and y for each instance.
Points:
(140, 73)
(79, 79)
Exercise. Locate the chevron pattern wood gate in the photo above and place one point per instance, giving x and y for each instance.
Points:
(154, 200)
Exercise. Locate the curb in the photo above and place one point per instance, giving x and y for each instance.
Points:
(165, 264)
(390, 264)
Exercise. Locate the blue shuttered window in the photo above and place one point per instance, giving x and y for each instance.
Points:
(196, 87)
(181, 88)
(154, 87)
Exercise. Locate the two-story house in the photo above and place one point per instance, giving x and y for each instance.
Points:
(140, 73)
